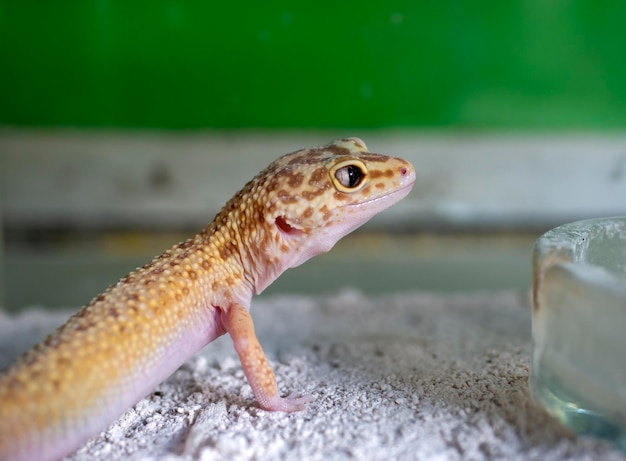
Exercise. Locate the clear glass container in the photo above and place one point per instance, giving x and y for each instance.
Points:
(578, 367)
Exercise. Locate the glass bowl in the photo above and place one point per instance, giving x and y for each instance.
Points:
(578, 365)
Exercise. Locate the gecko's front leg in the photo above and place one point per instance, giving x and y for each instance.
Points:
(238, 323)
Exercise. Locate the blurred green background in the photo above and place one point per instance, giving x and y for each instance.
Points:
(530, 64)
(116, 112)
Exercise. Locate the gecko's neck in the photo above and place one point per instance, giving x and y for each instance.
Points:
(250, 252)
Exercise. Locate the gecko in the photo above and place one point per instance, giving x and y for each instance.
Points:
(116, 349)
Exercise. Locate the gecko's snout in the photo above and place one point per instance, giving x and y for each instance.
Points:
(407, 173)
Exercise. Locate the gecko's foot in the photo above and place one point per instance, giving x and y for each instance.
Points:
(288, 404)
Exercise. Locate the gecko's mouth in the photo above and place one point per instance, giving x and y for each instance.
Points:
(393, 197)
(285, 227)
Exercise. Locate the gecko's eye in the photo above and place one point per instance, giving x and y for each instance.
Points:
(349, 176)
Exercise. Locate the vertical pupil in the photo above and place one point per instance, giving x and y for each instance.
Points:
(354, 175)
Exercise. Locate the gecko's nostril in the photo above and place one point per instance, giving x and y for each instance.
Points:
(404, 171)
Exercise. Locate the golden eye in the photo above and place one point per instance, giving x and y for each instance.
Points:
(349, 176)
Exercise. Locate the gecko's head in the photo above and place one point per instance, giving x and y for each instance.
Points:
(313, 197)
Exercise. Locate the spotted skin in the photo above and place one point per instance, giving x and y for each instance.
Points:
(127, 340)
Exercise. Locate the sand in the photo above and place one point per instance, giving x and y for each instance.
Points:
(406, 377)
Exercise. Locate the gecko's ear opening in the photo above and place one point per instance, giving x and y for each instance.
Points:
(285, 227)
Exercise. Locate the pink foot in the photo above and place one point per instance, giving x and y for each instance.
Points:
(288, 404)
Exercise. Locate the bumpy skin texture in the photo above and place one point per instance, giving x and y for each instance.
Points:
(118, 347)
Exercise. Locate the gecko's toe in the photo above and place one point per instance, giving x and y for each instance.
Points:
(287, 404)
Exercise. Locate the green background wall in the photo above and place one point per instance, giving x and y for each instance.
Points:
(201, 64)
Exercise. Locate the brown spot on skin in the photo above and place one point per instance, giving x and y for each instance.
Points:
(179, 297)
(339, 150)
(326, 213)
(308, 212)
(229, 281)
(86, 325)
(285, 197)
(157, 270)
(284, 248)
(311, 158)
(295, 180)
(31, 357)
(318, 177)
(339, 196)
(206, 265)
(192, 275)
(272, 185)
(379, 185)
(366, 190)
(378, 173)
(225, 251)
(55, 382)
(53, 341)
(35, 374)
(374, 158)
(310, 195)
(185, 291)
(186, 244)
